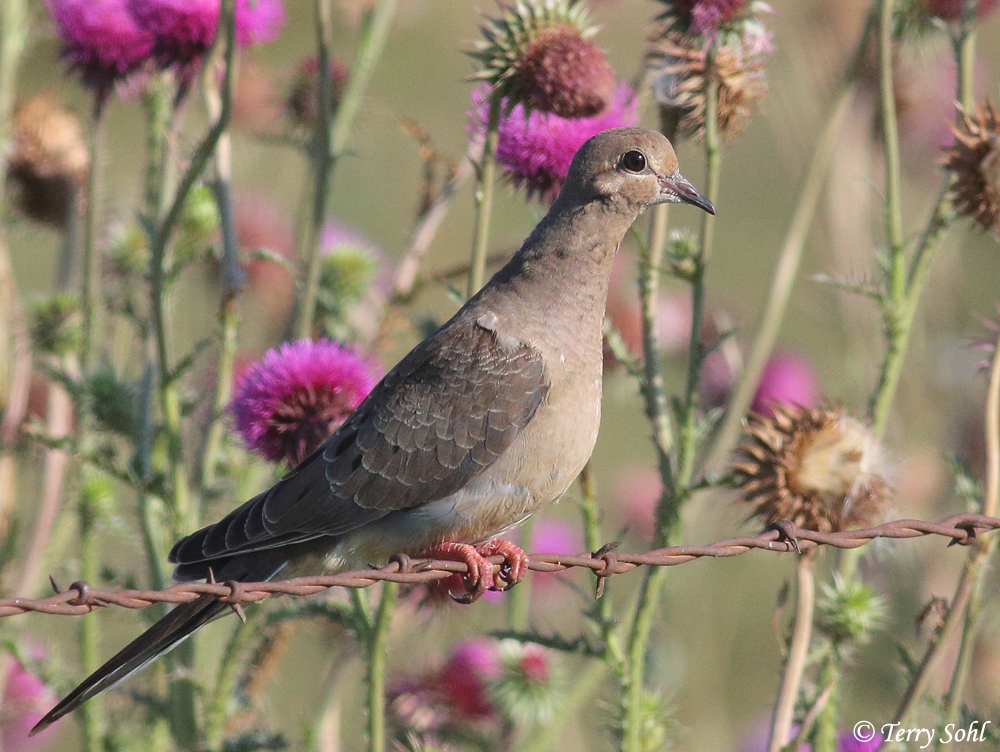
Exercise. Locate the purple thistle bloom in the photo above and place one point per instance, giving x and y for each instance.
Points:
(789, 380)
(290, 401)
(536, 151)
(185, 29)
(101, 39)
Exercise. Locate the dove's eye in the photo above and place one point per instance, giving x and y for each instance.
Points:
(634, 161)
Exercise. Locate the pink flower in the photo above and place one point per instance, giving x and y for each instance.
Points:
(951, 10)
(290, 401)
(185, 29)
(467, 675)
(100, 38)
(706, 16)
(787, 379)
(26, 698)
(536, 151)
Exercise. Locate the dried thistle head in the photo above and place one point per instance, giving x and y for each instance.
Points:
(680, 65)
(821, 469)
(974, 159)
(48, 161)
(540, 54)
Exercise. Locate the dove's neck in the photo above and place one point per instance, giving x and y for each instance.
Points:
(566, 261)
(556, 286)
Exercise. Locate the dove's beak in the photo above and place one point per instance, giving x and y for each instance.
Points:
(676, 189)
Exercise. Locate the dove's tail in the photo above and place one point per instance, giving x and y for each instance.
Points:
(182, 621)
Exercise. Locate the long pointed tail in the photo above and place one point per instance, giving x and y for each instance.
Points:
(167, 633)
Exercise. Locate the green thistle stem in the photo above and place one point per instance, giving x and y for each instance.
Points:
(485, 178)
(228, 315)
(91, 288)
(676, 486)
(983, 551)
(519, 597)
(91, 713)
(332, 131)
(375, 648)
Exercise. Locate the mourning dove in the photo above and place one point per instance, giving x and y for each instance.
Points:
(477, 428)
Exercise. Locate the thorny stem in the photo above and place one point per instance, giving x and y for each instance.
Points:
(215, 705)
(93, 305)
(169, 393)
(791, 680)
(983, 550)
(91, 713)
(485, 178)
(676, 486)
(899, 312)
(375, 647)
(232, 278)
(332, 131)
(967, 597)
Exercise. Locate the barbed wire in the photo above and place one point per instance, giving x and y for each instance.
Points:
(81, 598)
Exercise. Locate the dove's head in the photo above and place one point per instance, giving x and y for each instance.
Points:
(630, 169)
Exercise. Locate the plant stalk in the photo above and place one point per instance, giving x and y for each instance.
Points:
(485, 178)
(332, 131)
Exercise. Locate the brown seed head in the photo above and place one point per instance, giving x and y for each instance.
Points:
(48, 160)
(680, 67)
(974, 159)
(817, 468)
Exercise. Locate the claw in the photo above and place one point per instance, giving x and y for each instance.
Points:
(515, 563)
(482, 575)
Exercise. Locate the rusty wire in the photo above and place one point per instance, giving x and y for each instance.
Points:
(81, 598)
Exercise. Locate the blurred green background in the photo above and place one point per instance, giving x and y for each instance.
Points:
(717, 656)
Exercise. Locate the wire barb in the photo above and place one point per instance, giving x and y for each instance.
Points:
(81, 598)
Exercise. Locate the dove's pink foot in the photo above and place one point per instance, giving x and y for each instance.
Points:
(483, 575)
(515, 563)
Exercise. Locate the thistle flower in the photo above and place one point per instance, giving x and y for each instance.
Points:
(302, 102)
(100, 39)
(786, 379)
(680, 63)
(535, 150)
(975, 162)
(48, 162)
(184, 29)
(820, 469)
(704, 16)
(539, 54)
(25, 700)
(467, 676)
(290, 401)
(527, 689)
(951, 10)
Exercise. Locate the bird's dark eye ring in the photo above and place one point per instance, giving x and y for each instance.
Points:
(634, 160)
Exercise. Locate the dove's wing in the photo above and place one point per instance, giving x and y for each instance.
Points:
(436, 421)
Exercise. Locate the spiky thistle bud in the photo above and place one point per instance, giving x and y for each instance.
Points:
(974, 160)
(849, 611)
(48, 161)
(302, 102)
(540, 54)
(820, 468)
